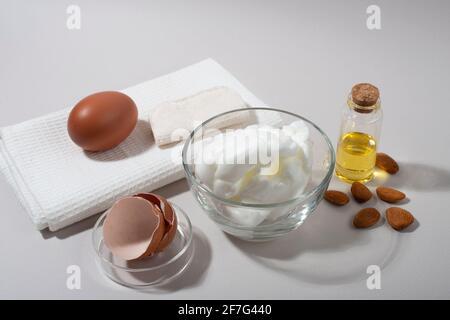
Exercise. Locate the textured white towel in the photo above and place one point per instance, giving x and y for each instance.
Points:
(59, 184)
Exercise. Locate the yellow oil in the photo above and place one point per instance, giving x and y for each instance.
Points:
(355, 158)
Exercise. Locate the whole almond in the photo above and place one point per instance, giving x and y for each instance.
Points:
(360, 192)
(399, 218)
(337, 198)
(386, 163)
(366, 217)
(390, 195)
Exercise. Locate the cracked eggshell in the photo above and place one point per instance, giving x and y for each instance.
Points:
(153, 247)
(171, 225)
(133, 228)
(170, 218)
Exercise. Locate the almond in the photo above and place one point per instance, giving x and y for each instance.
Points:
(399, 218)
(337, 198)
(360, 192)
(366, 217)
(390, 195)
(386, 163)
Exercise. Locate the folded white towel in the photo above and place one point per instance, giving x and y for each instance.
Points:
(59, 184)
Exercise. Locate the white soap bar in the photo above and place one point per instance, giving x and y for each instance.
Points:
(171, 121)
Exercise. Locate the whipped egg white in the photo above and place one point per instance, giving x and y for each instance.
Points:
(259, 164)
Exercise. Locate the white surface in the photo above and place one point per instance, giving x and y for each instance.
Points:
(58, 183)
(301, 56)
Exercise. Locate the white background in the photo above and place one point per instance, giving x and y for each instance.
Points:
(302, 56)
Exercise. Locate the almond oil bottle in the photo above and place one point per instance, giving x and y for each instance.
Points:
(359, 134)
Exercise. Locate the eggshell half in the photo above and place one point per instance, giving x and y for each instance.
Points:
(161, 229)
(171, 225)
(132, 227)
(169, 217)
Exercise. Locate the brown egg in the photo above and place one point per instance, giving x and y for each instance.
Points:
(102, 120)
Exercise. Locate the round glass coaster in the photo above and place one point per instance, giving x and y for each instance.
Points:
(155, 270)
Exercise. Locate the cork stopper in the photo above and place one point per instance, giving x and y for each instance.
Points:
(365, 94)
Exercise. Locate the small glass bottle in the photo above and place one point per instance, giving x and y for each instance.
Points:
(360, 134)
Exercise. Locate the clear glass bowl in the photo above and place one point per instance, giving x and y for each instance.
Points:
(289, 214)
(153, 271)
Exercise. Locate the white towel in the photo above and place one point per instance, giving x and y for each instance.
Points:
(58, 184)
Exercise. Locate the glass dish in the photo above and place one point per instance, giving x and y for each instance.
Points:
(155, 270)
(291, 213)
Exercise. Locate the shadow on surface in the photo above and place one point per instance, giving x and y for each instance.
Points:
(71, 230)
(192, 276)
(415, 176)
(411, 228)
(196, 271)
(173, 189)
(139, 141)
(326, 249)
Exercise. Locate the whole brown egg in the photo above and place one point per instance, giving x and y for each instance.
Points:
(102, 120)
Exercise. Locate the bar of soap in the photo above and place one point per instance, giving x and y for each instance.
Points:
(172, 121)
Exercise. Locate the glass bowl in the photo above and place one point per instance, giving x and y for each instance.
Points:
(153, 271)
(283, 216)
